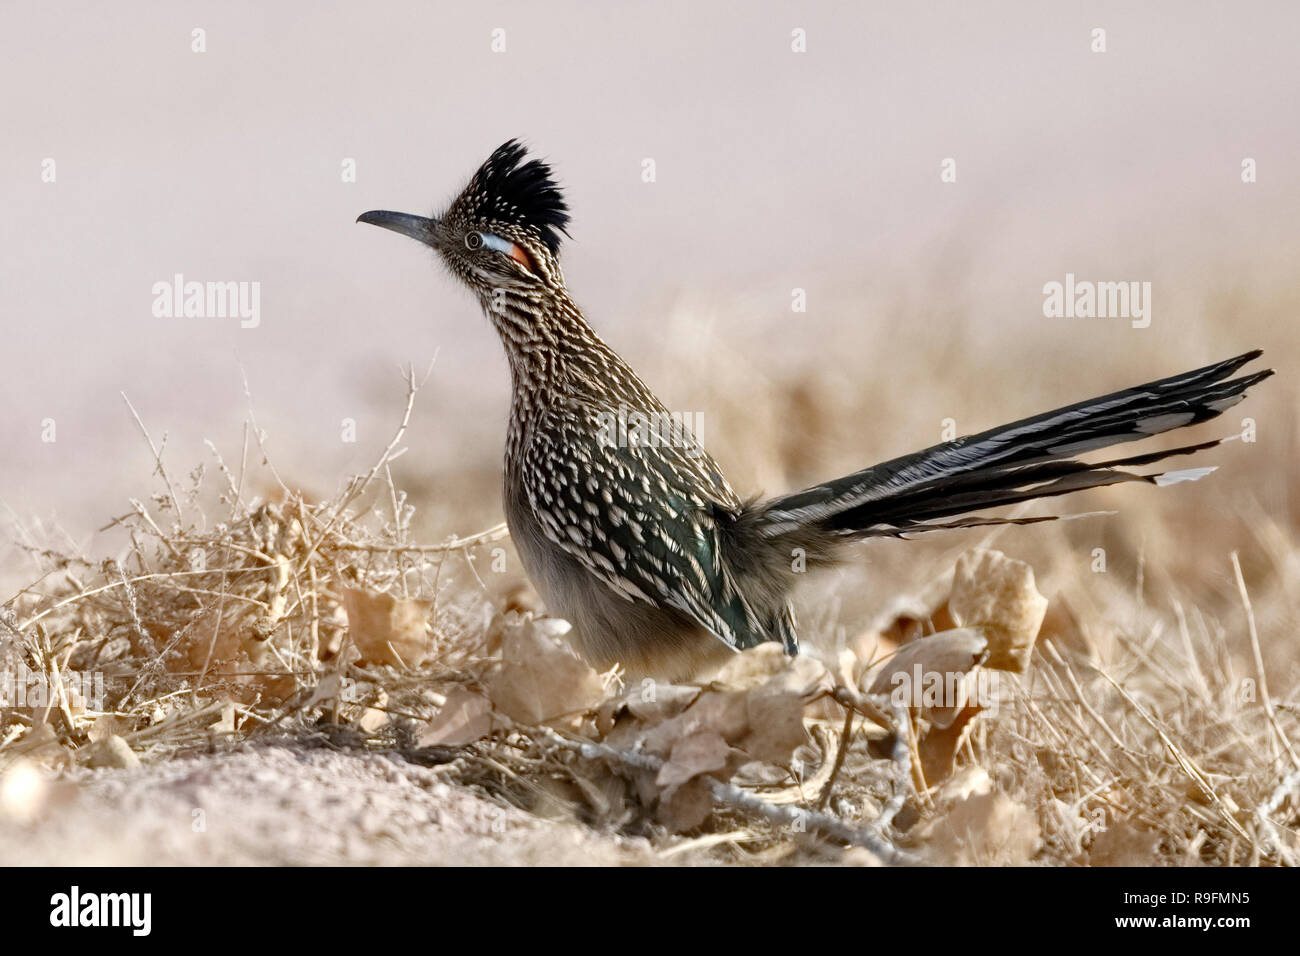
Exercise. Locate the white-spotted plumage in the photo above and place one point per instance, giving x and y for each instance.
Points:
(645, 547)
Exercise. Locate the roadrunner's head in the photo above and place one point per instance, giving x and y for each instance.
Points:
(502, 232)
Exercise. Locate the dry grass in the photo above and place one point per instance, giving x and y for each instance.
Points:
(1156, 724)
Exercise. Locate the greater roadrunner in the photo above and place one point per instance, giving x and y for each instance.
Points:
(643, 546)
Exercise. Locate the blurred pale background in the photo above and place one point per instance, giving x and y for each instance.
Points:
(776, 170)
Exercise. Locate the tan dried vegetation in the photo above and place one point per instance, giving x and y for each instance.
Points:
(237, 617)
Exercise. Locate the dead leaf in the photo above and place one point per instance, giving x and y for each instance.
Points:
(463, 719)
(938, 746)
(375, 716)
(997, 594)
(226, 723)
(686, 807)
(649, 702)
(986, 829)
(724, 713)
(931, 675)
(667, 700)
(701, 752)
(776, 725)
(764, 722)
(388, 630)
(752, 714)
(540, 679)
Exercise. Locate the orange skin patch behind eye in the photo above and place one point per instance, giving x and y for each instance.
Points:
(512, 249)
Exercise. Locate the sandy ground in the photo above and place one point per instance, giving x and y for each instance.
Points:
(290, 804)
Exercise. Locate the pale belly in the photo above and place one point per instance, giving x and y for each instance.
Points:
(649, 641)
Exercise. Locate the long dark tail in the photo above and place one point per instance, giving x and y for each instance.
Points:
(1014, 463)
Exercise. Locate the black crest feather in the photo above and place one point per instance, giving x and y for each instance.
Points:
(508, 189)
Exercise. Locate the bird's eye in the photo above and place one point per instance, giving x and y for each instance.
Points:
(473, 240)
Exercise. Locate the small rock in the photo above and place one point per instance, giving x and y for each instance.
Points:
(112, 751)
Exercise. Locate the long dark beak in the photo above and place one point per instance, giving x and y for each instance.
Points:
(417, 227)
